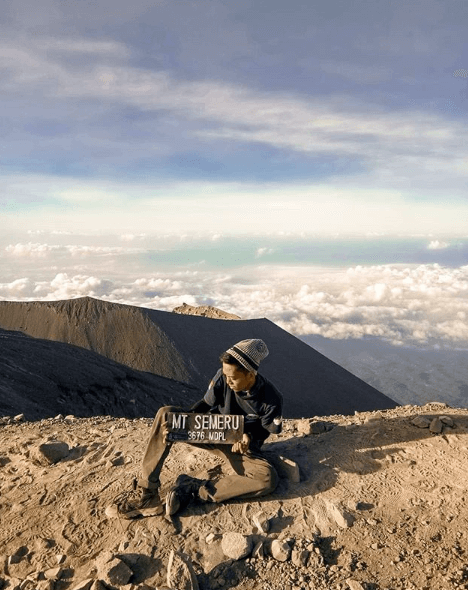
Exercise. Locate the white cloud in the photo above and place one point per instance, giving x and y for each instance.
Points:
(84, 46)
(132, 237)
(35, 250)
(264, 252)
(19, 289)
(30, 250)
(437, 245)
(419, 305)
(64, 287)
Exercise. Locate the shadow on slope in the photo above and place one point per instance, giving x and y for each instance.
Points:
(186, 348)
(41, 379)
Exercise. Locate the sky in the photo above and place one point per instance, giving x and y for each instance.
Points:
(302, 161)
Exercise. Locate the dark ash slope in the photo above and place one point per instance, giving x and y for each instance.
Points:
(41, 379)
(186, 348)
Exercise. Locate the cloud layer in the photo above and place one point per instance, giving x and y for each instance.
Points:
(414, 304)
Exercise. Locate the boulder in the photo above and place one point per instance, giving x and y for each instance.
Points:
(280, 550)
(436, 426)
(421, 422)
(339, 514)
(112, 570)
(236, 546)
(52, 452)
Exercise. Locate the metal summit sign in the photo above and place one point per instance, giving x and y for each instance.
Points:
(204, 428)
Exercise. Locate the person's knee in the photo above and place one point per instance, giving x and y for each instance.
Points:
(161, 414)
(270, 479)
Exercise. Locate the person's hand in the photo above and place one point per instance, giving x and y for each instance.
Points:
(241, 446)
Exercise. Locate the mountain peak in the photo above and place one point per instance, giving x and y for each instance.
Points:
(186, 348)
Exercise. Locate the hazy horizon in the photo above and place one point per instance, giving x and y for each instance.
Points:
(408, 291)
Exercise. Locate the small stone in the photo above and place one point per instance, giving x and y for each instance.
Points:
(259, 550)
(18, 418)
(53, 573)
(113, 570)
(60, 558)
(210, 538)
(18, 555)
(262, 522)
(421, 422)
(436, 426)
(52, 452)
(116, 461)
(318, 427)
(12, 559)
(339, 514)
(304, 427)
(70, 418)
(447, 420)
(236, 546)
(280, 550)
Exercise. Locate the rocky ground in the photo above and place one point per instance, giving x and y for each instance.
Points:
(381, 504)
(207, 311)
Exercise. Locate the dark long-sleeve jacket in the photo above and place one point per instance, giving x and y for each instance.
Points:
(261, 407)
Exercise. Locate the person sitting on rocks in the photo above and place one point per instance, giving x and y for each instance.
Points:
(237, 388)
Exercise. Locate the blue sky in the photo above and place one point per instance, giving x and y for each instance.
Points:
(326, 116)
(302, 161)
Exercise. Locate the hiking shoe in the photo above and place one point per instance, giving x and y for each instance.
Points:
(182, 493)
(137, 503)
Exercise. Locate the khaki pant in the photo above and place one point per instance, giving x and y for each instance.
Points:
(254, 475)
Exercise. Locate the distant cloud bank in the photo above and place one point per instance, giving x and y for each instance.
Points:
(32, 250)
(437, 245)
(420, 305)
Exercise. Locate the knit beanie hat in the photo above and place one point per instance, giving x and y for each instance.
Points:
(249, 353)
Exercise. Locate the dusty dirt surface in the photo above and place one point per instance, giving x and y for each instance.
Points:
(382, 504)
